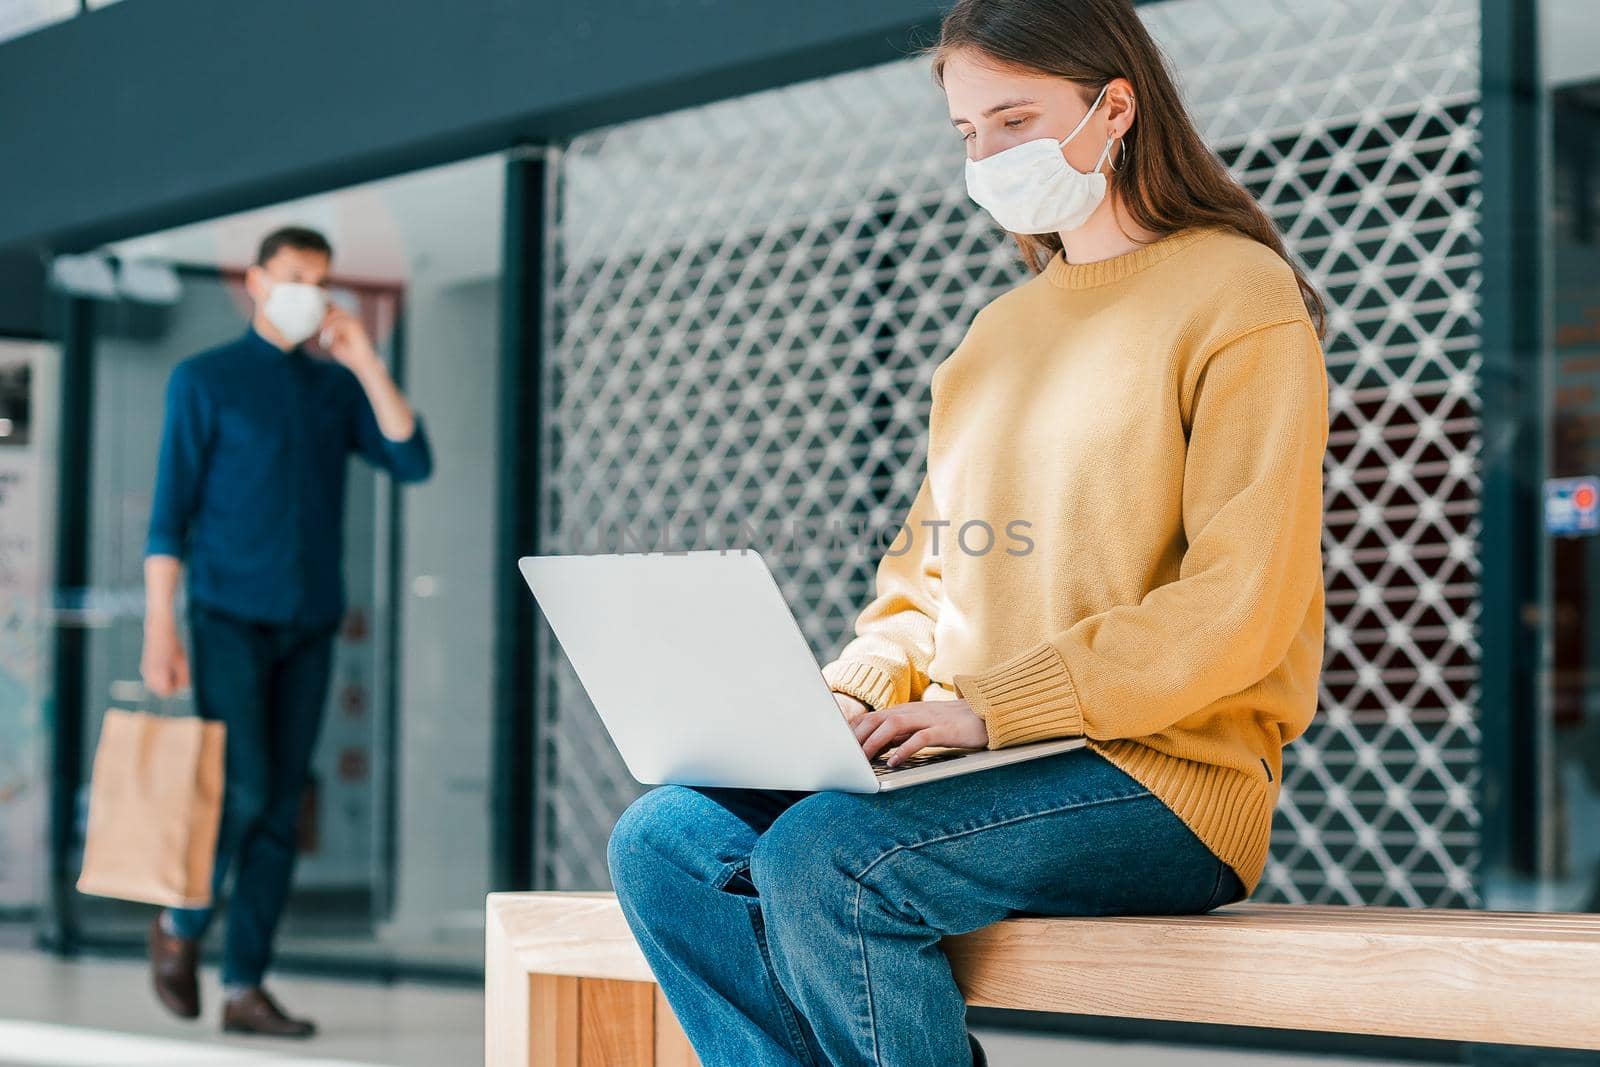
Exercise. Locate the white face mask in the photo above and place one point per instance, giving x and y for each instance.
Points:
(1031, 188)
(295, 309)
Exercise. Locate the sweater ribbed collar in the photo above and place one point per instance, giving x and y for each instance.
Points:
(1066, 275)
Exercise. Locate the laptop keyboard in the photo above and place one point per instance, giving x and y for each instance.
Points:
(880, 765)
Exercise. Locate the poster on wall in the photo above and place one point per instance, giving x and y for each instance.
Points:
(22, 640)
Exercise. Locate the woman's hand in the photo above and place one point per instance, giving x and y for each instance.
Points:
(851, 708)
(918, 724)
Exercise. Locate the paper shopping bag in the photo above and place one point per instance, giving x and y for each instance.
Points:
(155, 801)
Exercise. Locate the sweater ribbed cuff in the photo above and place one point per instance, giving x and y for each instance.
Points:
(871, 685)
(1029, 697)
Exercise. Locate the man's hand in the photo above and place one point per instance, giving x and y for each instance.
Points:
(918, 724)
(164, 664)
(346, 340)
(850, 707)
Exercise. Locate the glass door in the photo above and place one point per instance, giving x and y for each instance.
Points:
(342, 829)
(395, 836)
(1569, 771)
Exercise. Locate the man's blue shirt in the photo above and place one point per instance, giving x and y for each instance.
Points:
(250, 483)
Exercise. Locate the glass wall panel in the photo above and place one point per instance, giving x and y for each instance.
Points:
(1568, 750)
(751, 297)
(28, 434)
(394, 833)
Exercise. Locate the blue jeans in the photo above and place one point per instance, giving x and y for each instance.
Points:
(793, 927)
(268, 683)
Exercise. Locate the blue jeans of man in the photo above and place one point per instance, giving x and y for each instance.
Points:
(793, 927)
(268, 683)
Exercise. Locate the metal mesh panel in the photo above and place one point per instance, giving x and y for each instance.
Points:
(750, 299)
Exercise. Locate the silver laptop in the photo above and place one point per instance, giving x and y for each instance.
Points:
(702, 676)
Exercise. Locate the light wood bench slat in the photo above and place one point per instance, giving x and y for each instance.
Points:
(1259, 969)
(1434, 918)
(583, 935)
(1499, 977)
(1382, 922)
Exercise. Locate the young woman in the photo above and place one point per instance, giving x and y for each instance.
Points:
(1149, 410)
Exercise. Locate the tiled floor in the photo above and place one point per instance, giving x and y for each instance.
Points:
(102, 1013)
(96, 1013)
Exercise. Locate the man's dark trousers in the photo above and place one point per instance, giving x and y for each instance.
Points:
(268, 682)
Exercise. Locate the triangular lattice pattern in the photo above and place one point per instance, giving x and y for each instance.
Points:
(751, 297)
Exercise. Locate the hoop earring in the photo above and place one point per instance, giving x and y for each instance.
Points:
(1122, 148)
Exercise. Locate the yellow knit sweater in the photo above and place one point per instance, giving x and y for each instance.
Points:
(1138, 444)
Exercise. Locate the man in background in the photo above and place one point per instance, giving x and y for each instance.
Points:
(249, 507)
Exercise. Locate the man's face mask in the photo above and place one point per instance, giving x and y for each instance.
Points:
(295, 309)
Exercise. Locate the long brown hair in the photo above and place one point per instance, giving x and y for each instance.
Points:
(1167, 177)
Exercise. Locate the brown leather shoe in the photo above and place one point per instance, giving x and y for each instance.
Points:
(255, 1012)
(172, 971)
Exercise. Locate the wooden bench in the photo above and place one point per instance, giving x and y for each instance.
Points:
(567, 985)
